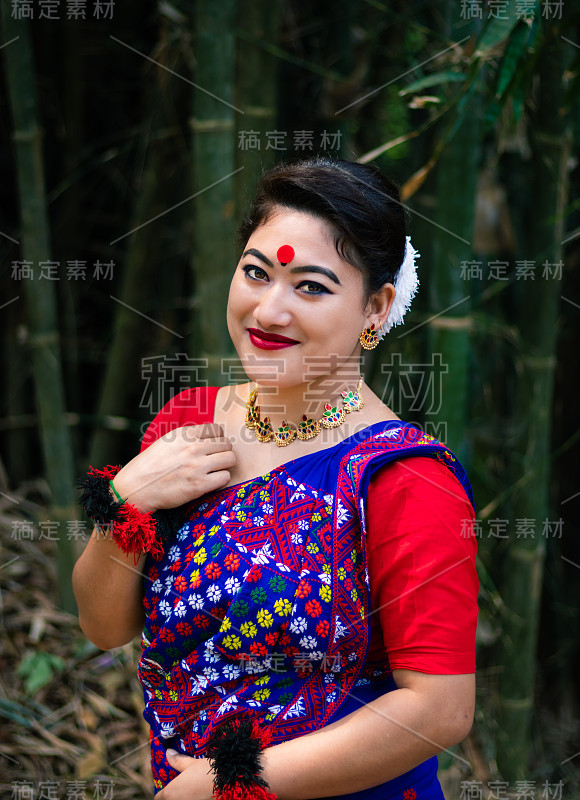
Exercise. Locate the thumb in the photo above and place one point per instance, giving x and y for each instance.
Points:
(177, 760)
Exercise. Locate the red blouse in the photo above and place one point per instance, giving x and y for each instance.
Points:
(421, 553)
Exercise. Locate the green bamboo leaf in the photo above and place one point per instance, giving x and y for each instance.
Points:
(492, 113)
(535, 38)
(436, 78)
(514, 51)
(16, 713)
(518, 99)
(497, 30)
(26, 715)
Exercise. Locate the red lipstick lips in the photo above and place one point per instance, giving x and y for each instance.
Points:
(269, 341)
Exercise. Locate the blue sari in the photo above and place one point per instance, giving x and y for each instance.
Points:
(261, 604)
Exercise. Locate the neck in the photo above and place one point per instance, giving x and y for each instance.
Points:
(289, 403)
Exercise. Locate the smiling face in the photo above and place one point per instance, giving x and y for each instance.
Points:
(314, 302)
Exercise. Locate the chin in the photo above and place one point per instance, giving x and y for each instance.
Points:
(271, 371)
(269, 368)
(267, 376)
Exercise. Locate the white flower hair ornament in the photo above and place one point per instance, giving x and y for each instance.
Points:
(406, 285)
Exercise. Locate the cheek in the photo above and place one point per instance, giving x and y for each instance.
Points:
(237, 298)
(233, 306)
(332, 333)
(336, 319)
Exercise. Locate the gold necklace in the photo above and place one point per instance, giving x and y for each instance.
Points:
(308, 428)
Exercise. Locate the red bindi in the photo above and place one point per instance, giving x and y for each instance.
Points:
(285, 254)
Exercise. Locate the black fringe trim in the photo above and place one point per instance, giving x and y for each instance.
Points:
(169, 521)
(97, 501)
(235, 755)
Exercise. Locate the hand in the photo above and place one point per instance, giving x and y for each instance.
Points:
(181, 466)
(194, 783)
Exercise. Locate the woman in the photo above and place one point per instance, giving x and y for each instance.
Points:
(319, 579)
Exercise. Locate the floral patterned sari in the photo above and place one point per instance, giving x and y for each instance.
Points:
(261, 604)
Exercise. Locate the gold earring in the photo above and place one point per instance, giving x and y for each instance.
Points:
(369, 338)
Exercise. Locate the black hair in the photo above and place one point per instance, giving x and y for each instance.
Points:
(361, 204)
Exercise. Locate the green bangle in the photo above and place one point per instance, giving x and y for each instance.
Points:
(116, 493)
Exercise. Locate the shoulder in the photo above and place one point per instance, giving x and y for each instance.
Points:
(193, 406)
(420, 477)
(414, 469)
(419, 499)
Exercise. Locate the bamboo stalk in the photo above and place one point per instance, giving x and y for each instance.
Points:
(213, 168)
(537, 319)
(255, 92)
(41, 302)
(139, 265)
(17, 395)
(449, 293)
(126, 349)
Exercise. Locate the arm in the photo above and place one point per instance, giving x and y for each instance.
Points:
(179, 467)
(108, 588)
(380, 741)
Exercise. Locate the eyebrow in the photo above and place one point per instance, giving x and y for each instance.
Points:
(253, 252)
(321, 270)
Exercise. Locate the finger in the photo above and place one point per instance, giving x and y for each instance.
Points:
(225, 459)
(209, 430)
(179, 761)
(196, 433)
(210, 446)
(217, 480)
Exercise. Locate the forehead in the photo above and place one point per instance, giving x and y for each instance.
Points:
(312, 238)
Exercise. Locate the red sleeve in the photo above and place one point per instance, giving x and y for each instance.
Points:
(421, 562)
(190, 407)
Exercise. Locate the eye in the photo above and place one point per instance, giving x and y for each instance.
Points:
(251, 268)
(315, 288)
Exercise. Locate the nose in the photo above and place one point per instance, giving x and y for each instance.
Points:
(272, 309)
